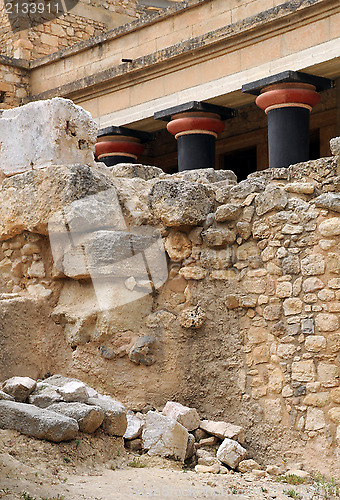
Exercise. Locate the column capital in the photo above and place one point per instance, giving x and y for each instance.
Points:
(120, 144)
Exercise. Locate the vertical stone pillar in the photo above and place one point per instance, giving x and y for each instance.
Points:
(120, 145)
(195, 126)
(288, 98)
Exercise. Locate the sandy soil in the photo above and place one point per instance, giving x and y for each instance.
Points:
(99, 468)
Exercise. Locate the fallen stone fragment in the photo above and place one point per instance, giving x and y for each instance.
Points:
(74, 391)
(190, 451)
(134, 427)
(37, 422)
(186, 416)
(89, 418)
(19, 387)
(223, 430)
(248, 465)
(214, 469)
(210, 460)
(231, 453)
(61, 381)
(4, 395)
(164, 436)
(299, 473)
(193, 317)
(115, 421)
(275, 470)
(330, 201)
(45, 395)
(209, 441)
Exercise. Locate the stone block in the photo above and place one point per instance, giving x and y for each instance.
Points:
(115, 419)
(164, 436)
(177, 245)
(334, 414)
(89, 418)
(303, 371)
(188, 417)
(248, 466)
(193, 317)
(74, 391)
(315, 343)
(273, 198)
(178, 203)
(37, 422)
(330, 201)
(330, 227)
(315, 419)
(313, 265)
(223, 430)
(19, 387)
(45, 133)
(44, 395)
(231, 453)
(134, 427)
(327, 322)
(227, 212)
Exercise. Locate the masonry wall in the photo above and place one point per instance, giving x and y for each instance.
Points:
(14, 84)
(245, 326)
(55, 33)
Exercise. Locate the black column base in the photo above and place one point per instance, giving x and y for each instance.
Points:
(196, 151)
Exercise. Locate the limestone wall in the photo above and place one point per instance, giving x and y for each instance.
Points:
(243, 325)
(57, 32)
(14, 84)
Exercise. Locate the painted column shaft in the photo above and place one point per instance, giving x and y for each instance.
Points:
(288, 106)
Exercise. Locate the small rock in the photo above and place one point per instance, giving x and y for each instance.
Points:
(231, 453)
(190, 451)
(200, 434)
(299, 473)
(193, 317)
(134, 444)
(186, 416)
(275, 470)
(115, 420)
(209, 441)
(248, 465)
(19, 387)
(210, 460)
(134, 427)
(227, 212)
(213, 469)
(89, 418)
(74, 391)
(37, 422)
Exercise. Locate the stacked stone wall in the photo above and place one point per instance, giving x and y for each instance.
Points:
(14, 85)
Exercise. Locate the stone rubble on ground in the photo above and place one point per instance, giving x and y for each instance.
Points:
(57, 408)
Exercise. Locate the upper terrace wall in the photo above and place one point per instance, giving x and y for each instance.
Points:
(85, 20)
(204, 51)
(244, 324)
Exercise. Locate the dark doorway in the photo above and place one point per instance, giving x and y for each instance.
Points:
(242, 161)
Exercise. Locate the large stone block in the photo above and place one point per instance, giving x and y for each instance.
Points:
(186, 416)
(178, 203)
(231, 453)
(164, 436)
(223, 430)
(19, 387)
(37, 422)
(45, 133)
(115, 421)
(89, 418)
(29, 200)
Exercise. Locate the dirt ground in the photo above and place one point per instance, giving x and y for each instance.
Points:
(99, 468)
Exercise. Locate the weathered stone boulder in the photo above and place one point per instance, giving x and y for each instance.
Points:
(134, 427)
(132, 170)
(19, 387)
(45, 133)
(37, 422)
(164, 436)
(186, 416)
(223, 430)
(180, 203)
(29, 200)
(331, 201)
(45, 395)
(74, 391)
(231, 453)
(115, 421)
(193, 317)
(89, 418)
(248, 466)
(4, 395)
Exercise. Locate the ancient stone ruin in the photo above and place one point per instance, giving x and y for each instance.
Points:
(189, 288)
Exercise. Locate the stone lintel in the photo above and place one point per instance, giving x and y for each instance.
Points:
(166, 114)
(319, 82)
